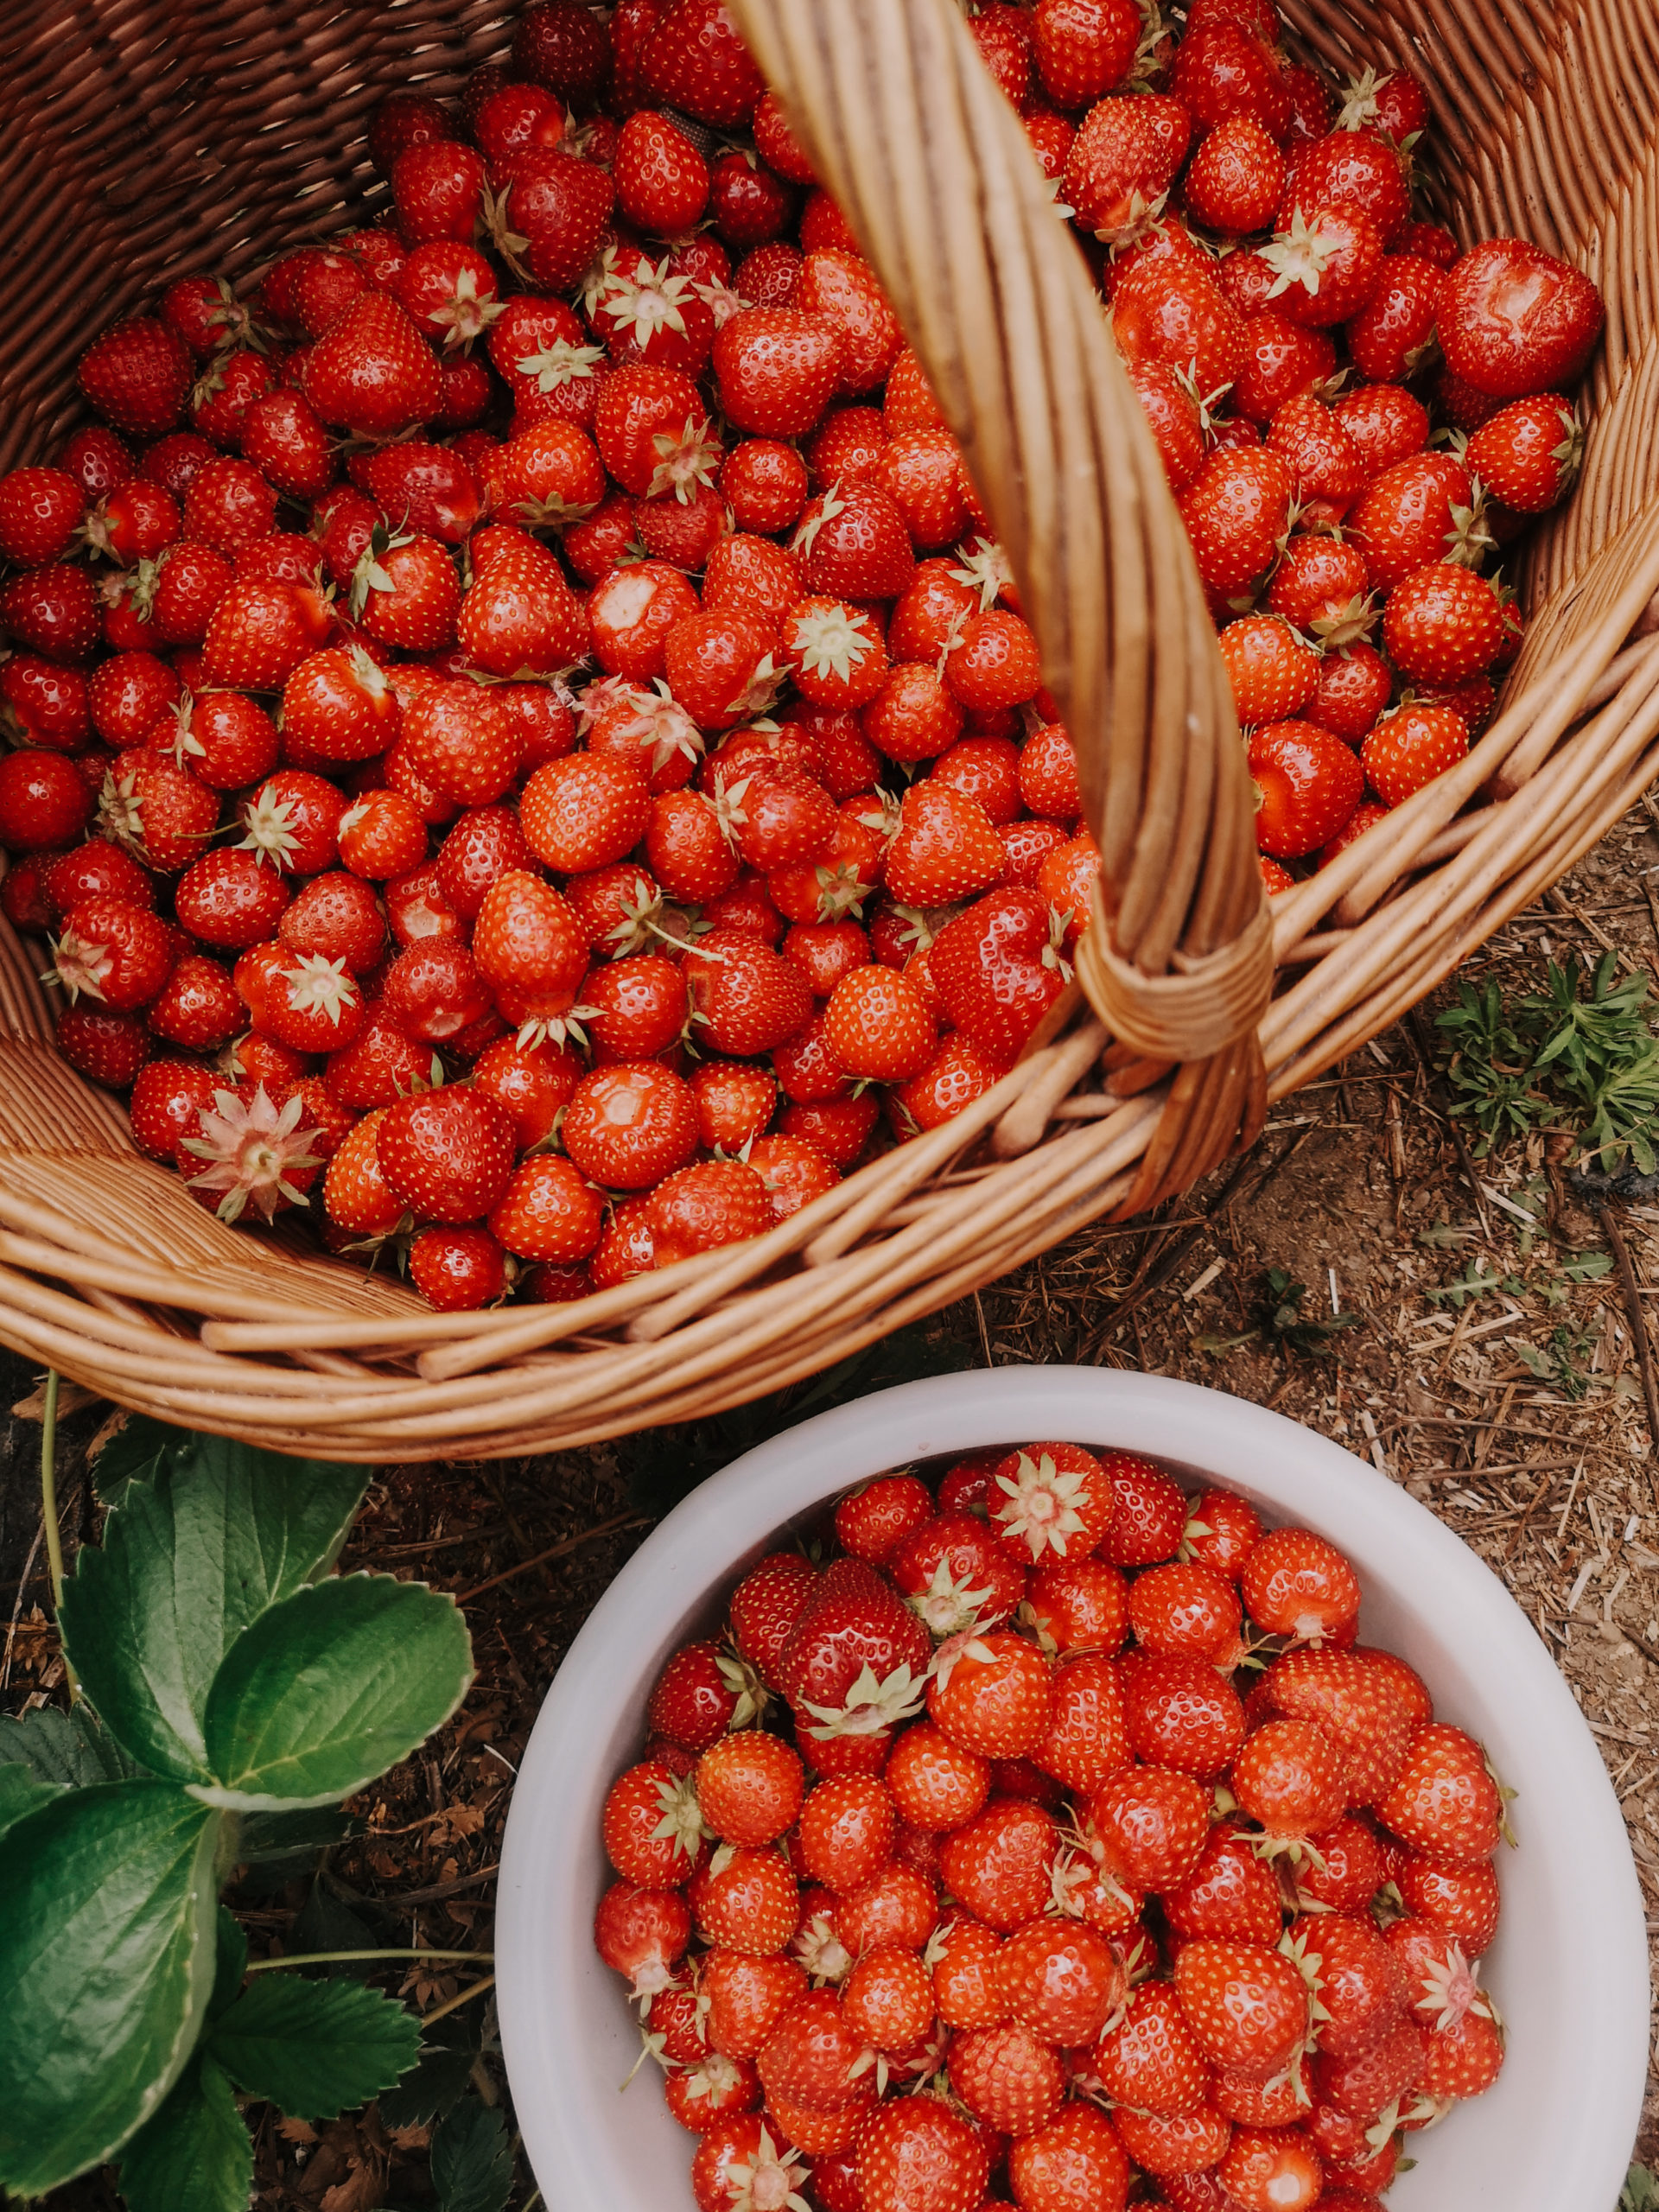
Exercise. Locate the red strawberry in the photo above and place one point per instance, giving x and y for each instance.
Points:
(1411, 747)
(1309, 783)
(1272, 671)
(856, 1657)
(1514, 319)
(259, 634)
(1122, 161)
(696, 62)
(661, 179)
(40, 510)
(1247, 2005)
(1225, 68)
(1235, 514)
(137, 373)
(1008, 2077)
(1445, 1799)
(1235, 178)
(945, 848)
(550, 216)
(745, 999)
(997, 969)
(1325, 264)
(907, 2137)
(777, 370)
(1078, 2160)
(852, 544)
(373, 373)
(1527, 455)
(1082, 48)
(447, 1153)
(532, 951)
(1391, 337)
(1442, 624)
(559, 43)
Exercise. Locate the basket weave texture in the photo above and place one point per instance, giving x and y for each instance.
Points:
(156, 140)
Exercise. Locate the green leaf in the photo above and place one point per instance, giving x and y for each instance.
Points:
(314, 2049)
(331, 1687)
(20, 1794)
(188, 1562)
(448, 2050)
(471, 2160)
(195, 2156)
(137, 1451)
(107, 1906)
(68, 1748)
(230, 1963)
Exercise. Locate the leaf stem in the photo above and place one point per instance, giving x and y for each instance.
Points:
(454, 2004)
(332, 1958)
(49, 1509)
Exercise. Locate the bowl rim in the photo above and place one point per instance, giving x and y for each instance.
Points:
(547, 1849)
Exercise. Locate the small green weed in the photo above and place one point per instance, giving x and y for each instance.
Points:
(1580, 1055)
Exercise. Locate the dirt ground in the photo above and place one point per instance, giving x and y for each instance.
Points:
(1513, 1407)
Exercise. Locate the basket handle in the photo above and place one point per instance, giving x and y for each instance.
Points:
(931, 168)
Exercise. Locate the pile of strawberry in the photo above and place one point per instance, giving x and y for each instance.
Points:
(969, 1851)
(521, 735)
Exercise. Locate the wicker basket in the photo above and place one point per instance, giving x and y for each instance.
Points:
(155, 139)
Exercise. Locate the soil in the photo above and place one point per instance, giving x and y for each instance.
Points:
(1514, 1409)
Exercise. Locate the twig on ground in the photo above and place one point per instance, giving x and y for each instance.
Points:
(557, 1551)
(1638, 1326)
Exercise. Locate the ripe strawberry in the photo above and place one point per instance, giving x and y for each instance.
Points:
(764, 1607)
(1150, 1823)
(1514, 320)
(1309, 783)
(1235, 178)
(1246, 2004)
(878, 1025)
(1292, 1778)
(642, 1933)
(107, 1048)
(373, 373)
(168, 1099)
(695, 61)
(1529, 453)
(1442, 624)
(1231, 1896)
(777, 370)
(1409, 747)
(559, 206)
(114, 950)
(447, 1153)
(1007, 2078)
(1272, 671)
(137, 373)
(909, 2137)
(1235, 514)
(1325, 264)
(746, 1901)
(259, 634)
(52, 611)
(626, 1128)
(651, 1826)
(1444, 1800)
(1152, 2060)
(993, 1693)
(39, 512)
(749, 1785)
(945, 848)
(1363, 1708)
(1076, 2160)
(159, 812)
(745, 999)
(1181, 1714)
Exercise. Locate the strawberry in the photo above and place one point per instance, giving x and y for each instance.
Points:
(116, 952)
(741, 2165)
(992, 1694)
(1007, 2077)
(1529, 453)
(109, 1049)
(1180, 1714)
(695, 61)
(628, 1126)
(653, 1828)
(1231, 1896)
(1234, 181)
(1444, 1800)
(1309, 785)
(855, 1658)
(1277, 2167)
(945, 848)
(559, 44)
(533, 953)
(161, 813)
(373, 373)
(1150, 1824)
(227, 899)
(749, 1785)
(1319, 585)
(1225, 67)
(136, 373)
(1172, 311)
(746, 1900)
(777, 369)
(1076, 2160)
(878, 1026)
(1351, 168)
(642, 1933)
(1282, 362)
(1356, 1703)
(888, 2000)
(1272, 671)
(661, 179)
(1409, 747)
(549, 216)
(1235, 514)
(1442, 624)
(908, 2138)
(1326, 264)
(1246, 2004)
(259, 634)
(40, 511)
(447, 1153)
(1514, 320)
(852, 543)
(52, 611)
(1292, 1778)
(1423, 508)
(1151, 2059)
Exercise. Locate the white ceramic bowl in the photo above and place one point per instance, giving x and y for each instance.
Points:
(1569, 1967)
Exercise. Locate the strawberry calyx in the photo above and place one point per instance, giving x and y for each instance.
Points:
(318, 985)
(820, 1951)
(872, 1703)
(685, 462)
(833, 640)
(464, 316)
(949, 1607)
(79, 966)
(682, 1824)
(770, 2182)
(1042, 1504)
(252, 1150)
(984, 568)
(1302, 254)
(560, 363)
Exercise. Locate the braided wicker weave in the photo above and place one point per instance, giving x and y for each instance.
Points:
(152, 139)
